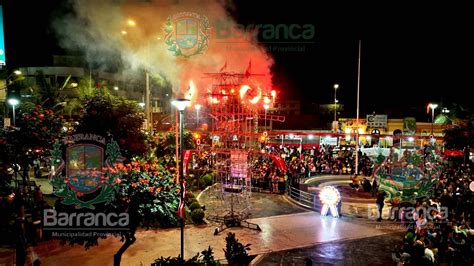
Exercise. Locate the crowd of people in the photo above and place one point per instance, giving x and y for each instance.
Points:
(440, 227)
(310, 162)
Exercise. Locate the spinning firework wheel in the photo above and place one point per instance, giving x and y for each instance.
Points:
(234, 114)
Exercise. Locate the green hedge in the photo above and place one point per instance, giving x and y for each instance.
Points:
(207, 179)
(195, 205)
(197, 215)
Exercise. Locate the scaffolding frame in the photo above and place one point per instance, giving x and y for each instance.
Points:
(234, 133)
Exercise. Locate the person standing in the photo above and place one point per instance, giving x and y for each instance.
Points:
(380, 203)
(36, 168)
(375, 187)
(275, 180)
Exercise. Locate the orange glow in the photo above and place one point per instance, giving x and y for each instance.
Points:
(196, 136)
(131, 22)
(255, 99)
(243, 90)
(232, 91)
(273, 93)
(266, 100)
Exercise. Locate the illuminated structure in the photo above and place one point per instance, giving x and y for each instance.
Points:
(329, 197)
(236, 105)
(409, 175)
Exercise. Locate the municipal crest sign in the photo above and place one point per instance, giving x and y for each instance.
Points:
(186, 34)
(79, 173)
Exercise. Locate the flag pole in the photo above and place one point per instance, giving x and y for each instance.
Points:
(357, 115)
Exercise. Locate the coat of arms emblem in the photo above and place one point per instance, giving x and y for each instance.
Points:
(88, 178)
(186, 34)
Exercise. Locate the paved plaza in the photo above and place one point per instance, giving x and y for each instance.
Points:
(288, 234)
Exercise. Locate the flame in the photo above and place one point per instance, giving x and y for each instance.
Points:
(243, 90)
(191, 91)
(273, 94)
(266, 100)
(256, 98)
(213, 100)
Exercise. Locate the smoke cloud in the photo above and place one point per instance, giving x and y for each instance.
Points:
(102, 29)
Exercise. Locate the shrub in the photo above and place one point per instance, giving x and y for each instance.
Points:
(205, 258)
(195, 205)
(207, 179)
(197, 216)
(190, 198)
(191, 202)
(236, 252)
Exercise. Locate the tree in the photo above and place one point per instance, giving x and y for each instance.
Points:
(107, 115)
(48, 94)
(459, 136)
(150, 195)
(37, 129)
(166, 142)
(145, 191)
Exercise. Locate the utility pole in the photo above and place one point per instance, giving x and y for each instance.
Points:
(149, 122)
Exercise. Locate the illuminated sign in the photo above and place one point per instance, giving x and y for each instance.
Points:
(409, 125)
(377, 121)
(2, 40)
(330, 197)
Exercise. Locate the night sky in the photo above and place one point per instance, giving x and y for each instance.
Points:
(411, 55)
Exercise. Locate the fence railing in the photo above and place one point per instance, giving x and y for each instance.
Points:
(305, 199)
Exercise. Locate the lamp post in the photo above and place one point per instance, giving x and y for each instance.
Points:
(336, 86)
(149, 119)
(148, 111)
(12, 96)
(197, 107)
(433, 107)
(181, 104)
(13, 102)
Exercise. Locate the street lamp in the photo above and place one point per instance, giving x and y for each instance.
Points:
(266, 106)
(336, 86)
(148, 111)
(181, 104)
(433, 107)
(197, 107)
(13, 102)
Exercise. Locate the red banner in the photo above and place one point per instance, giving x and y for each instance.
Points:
(278, 160)
(453, 153)
(187, 157)
(182, 200)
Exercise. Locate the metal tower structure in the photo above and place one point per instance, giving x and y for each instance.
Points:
(234, 109)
